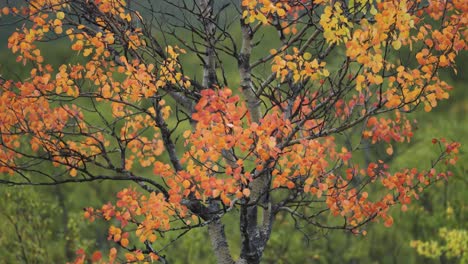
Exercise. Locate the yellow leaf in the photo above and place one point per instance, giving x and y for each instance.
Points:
(325, 73)
(60, 15)
(378, 79)
(140, 256)
(360, 78)
(307, 56)
(396, 44)
(262, 18)
(296, 77)
(187, 133)
(88, 51)
(281, 12)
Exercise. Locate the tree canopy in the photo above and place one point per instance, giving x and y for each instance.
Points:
(256, 109)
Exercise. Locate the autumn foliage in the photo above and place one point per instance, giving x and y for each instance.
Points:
(284, 139)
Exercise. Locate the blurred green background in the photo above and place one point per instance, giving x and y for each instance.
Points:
(46, 224)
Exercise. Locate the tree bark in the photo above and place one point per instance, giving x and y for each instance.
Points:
(219, 242)
(216, 227)
(254, 235)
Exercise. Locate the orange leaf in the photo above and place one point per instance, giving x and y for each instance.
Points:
(124, 242)
(390, 150)
(389, 222)
(186, 184)
(96, 256)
